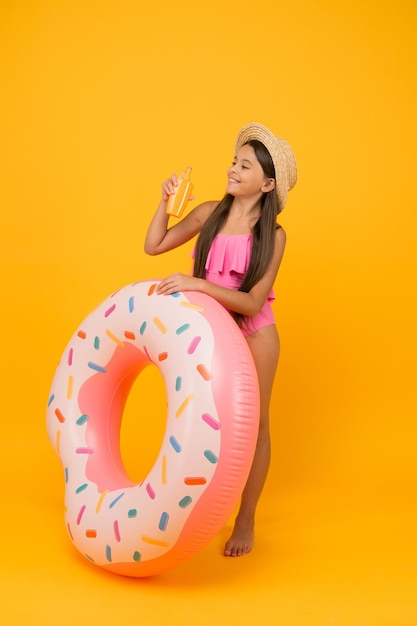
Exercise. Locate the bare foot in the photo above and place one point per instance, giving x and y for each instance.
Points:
(241, 540)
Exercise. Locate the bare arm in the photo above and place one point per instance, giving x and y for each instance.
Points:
(245, 303)
(160, 238)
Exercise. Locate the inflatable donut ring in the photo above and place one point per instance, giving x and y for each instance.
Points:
(211, 427)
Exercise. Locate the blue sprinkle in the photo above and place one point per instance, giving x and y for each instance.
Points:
(51, 399)
(185, 502)
(131, 304)
(66, 475)
(108, 553)
(174, 443)
(178, 383)
(142, 328)
(81, 488)
(163, 522)
(116, 500)
(137, 556)
(97, 343)
(132, 513)
(176, 294)
(81, 420)
(210, 456)
(97, 368)
(182, 329)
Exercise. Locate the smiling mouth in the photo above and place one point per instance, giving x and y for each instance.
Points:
(232, 181)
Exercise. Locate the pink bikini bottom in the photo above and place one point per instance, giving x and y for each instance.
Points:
(265, 317)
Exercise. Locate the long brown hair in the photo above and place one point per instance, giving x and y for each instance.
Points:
(263, 232)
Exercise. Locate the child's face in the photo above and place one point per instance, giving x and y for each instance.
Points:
(246, 177)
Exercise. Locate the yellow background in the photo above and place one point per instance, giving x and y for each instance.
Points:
(100, 101)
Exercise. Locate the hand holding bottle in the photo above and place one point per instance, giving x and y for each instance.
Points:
(177, 192)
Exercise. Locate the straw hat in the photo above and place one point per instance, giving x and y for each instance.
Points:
(281, 153)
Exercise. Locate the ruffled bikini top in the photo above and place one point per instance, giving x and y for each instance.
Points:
(228, 260)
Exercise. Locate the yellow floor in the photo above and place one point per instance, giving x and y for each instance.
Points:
(321, 559)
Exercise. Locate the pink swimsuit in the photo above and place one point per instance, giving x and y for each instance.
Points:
(226, 265)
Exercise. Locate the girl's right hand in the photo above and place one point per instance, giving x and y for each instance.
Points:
(169, 187)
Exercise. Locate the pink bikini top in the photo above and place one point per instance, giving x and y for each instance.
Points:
(228, 261)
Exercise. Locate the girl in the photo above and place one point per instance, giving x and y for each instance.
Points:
(237, 257)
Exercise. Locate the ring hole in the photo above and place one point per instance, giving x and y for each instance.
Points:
(143, 423)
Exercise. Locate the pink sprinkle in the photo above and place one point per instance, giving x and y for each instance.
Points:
(211, 421)
(71, 352)
(116, 530)
(150, 491)
(80, 514)
(85, 450)
(110, 310)
(193, 345)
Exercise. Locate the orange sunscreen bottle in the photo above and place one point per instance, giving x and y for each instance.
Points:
(178, 200)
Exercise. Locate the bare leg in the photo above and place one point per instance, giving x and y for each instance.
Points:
(264, 346)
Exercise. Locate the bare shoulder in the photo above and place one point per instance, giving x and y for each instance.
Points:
(280, 236)
(204, 210)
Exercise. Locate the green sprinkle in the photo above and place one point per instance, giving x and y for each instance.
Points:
(210, 456)
(182, 329)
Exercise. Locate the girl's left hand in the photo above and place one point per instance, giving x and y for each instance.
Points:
(177, 282)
